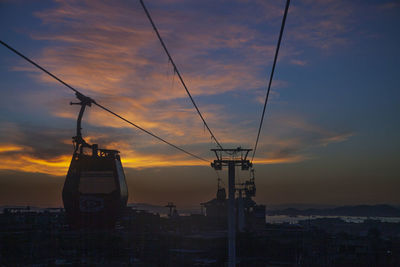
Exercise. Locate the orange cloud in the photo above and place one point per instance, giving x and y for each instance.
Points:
(282, 160)
(10, 148)
(27, 163)
(58, 166)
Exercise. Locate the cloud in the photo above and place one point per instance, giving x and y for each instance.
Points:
(391, 5)
(298, 62)
(31, 149)
(291, 137)
(224, 53)
(109, 51)
(321, 24)
(10, 148)
(216, 55)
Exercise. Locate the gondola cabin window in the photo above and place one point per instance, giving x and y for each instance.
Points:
(121, 179)
(97, 182)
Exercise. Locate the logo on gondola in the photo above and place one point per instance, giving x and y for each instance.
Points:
(90, 204)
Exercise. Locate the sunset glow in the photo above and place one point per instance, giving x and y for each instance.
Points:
(332, 113)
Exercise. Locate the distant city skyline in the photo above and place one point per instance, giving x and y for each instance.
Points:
(330, 135)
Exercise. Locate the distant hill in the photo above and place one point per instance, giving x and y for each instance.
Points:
(359, 210)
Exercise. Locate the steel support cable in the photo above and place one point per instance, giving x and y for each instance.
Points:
(99, 105)
(271, 76)
(178, 73)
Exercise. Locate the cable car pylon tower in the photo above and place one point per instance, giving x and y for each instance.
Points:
(235, 157)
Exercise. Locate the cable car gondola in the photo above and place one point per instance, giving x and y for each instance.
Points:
(95, 189)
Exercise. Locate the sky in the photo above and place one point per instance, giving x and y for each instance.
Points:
(330, 135)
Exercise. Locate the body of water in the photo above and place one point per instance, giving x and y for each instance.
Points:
(276, 219)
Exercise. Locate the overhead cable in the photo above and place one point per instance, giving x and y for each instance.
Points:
(99, 105)
(271, 77)
(177, 72)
